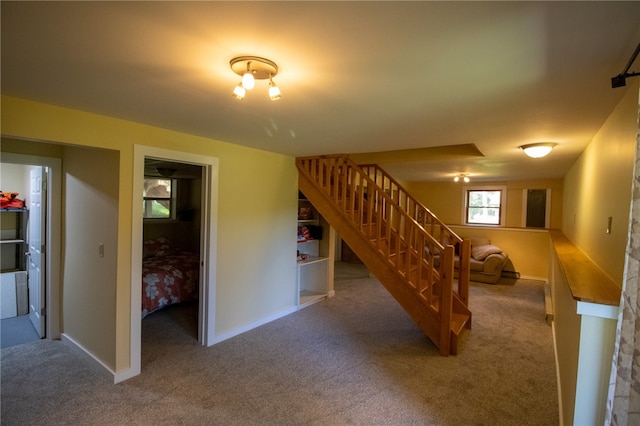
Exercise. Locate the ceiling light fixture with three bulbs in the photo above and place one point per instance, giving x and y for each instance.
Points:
(252, 68)
(462, 176)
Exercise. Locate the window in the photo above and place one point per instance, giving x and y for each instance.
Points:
(484, 206)
(159, 198)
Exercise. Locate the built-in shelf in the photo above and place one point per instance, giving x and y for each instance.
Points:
(12, 239)
(312, 270)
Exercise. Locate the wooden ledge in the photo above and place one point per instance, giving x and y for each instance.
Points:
(587, 282)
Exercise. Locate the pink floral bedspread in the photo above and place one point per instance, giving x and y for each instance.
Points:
(169, 279)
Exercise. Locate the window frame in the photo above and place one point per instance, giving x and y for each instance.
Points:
(172, 199)
(501, 209)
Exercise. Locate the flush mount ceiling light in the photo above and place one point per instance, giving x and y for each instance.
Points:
(538, 150)
(463, 176)
(252, 68)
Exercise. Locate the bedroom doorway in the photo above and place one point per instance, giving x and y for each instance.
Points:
(172, 199)
(208, 167)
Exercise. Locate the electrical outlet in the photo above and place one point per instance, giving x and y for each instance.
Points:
(101, 249)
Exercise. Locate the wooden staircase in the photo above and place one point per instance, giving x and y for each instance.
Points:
(409, 250)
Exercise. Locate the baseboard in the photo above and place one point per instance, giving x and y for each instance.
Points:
(533, 278)
(100, 366)
(235, 332)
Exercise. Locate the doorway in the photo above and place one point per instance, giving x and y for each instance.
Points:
(172, 235)
(33, 285)
(208, 237)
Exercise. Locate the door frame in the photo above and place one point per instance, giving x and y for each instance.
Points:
(208, 244)
(53, 214)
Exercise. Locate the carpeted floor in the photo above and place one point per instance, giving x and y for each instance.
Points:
(354, 359)
(16, 331)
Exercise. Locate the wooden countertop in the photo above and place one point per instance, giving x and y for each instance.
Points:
(587, 282)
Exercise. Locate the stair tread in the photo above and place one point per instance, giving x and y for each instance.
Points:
(458, 321)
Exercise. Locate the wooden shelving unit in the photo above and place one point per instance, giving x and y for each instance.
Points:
(313, 265)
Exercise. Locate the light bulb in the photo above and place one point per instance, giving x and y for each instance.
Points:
(456, 179)
(248, 82)
(274, 91)
(239, 92)
(466, 179)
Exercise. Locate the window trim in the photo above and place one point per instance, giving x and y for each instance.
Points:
(503, 204)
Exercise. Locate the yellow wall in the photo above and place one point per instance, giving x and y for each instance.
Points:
(598, 186)
(446, 199)
(256, 237)
(91, 218)
(528, 249)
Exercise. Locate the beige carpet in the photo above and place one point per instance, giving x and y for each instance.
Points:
(355, 359)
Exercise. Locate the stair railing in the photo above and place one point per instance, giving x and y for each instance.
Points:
(424, 262)
(429, 221)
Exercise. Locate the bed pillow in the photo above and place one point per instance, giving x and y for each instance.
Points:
(481, 252)
(157, 247)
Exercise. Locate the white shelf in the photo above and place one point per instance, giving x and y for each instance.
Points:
(310, 297)
(312, 272)
(311, 259)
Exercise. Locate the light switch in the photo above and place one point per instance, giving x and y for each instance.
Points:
(101, 249)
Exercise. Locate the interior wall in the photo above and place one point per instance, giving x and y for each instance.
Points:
(598, 186)
(257, 196)
(15, 178)
(89, 272)
(446, 199)
(183, 233)
(528, 249)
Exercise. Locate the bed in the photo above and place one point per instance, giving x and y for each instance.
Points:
(169, 275)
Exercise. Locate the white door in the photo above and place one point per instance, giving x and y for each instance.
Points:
(37, 210)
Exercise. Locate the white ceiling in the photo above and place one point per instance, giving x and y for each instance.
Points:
(356, 77)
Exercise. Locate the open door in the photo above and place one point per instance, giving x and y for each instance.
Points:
(36, 244)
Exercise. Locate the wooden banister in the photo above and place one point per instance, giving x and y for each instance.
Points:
(428, 220)
(386, 217)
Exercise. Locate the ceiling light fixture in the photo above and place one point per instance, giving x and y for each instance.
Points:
(253, 68)
(463, 176)
(538, 150)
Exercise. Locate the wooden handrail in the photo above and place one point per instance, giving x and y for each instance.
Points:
(428, 220)
(402, 242)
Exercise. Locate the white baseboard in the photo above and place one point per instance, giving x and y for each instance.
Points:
(100, 366)
(229, 334)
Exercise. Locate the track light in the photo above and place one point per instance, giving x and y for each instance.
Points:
(248, 82)
(239, 92)
(620, 80)
(274, 91)
(253, 68)
(538, 150)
